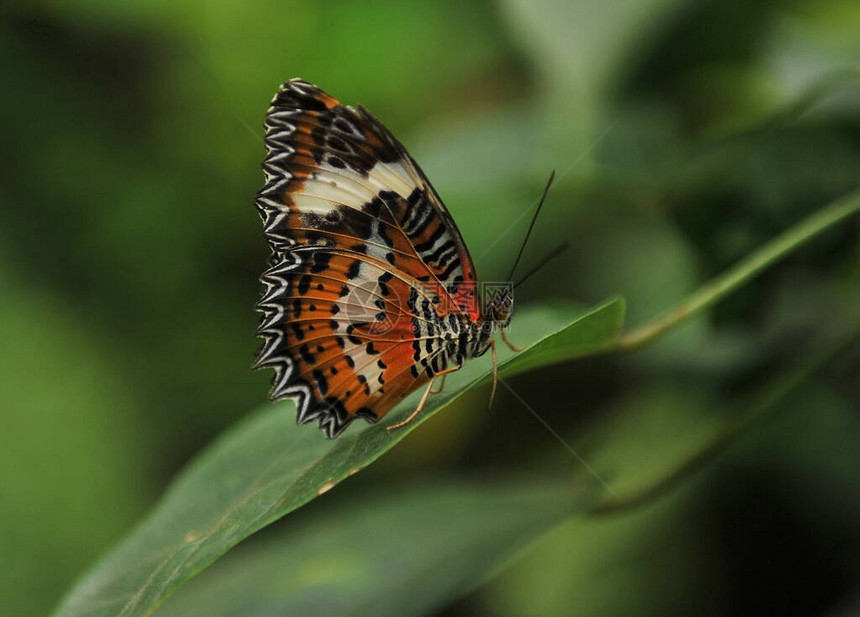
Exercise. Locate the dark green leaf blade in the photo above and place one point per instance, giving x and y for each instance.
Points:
(399, 553)
(267, 466)
(589, 334)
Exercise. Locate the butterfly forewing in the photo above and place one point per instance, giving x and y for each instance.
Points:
(366, 262)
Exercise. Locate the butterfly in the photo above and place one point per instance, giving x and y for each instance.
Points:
(370, 291)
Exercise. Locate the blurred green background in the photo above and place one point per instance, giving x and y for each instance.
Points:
(685, 134)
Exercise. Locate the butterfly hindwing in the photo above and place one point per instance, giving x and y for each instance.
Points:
(342, 347)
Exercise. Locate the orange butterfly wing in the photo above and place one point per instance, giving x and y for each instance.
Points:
(367, 265)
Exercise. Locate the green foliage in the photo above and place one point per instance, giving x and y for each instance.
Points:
(396, 553)
(249, 479)
(695, 143)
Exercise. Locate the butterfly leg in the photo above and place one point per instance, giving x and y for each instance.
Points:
(409, 419)
(443, 375)
(495, 373)
(430, 390)
(510, 344)
(441, 384)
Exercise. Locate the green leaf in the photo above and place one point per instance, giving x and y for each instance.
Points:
(267, 467)
(395, 553)
(660, 439)
(454, 535)
(743, 271)
(591, 333)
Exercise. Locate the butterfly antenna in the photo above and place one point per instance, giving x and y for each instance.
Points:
(552, 255)
(532, 224)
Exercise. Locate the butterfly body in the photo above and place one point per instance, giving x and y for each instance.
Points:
(370, 291)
